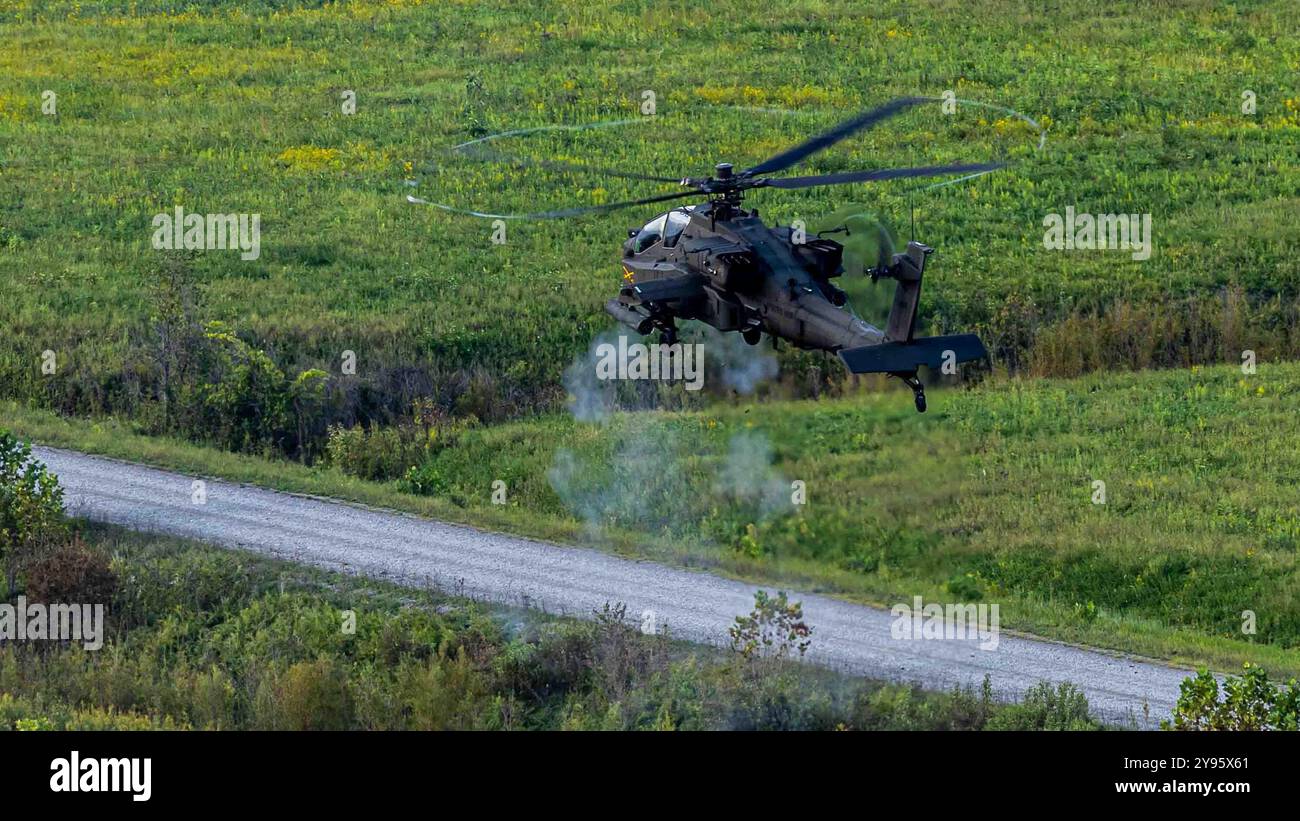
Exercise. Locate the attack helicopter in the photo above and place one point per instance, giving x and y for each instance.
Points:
(717, 262)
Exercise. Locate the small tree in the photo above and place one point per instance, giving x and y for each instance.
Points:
(249, 397)
(772, 629)
(178, 334)
(307, 393)
(1249, 702)
(31, 506)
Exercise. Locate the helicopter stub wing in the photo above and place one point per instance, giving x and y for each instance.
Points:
(906, 357)
(665, 289)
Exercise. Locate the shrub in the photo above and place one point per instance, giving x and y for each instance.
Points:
(376, 454)
(1249, 702)
(212, 699)
(314, 696)
(247, 401)
(559, 662)
(426, 480)
(71, 572)
(772, 629)
(29, 715)
(443, 693)
(1046, 707)
(250, 404)
(31, 506)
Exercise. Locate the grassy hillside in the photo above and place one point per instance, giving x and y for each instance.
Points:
(990, 496)
(238, 108)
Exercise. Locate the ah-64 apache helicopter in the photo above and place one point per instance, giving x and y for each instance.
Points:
(718, 263)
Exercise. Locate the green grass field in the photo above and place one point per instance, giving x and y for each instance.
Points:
(222, 108)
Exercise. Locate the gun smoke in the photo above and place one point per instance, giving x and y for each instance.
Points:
(651, 476)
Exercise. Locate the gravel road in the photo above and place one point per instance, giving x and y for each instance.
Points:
(574, 581)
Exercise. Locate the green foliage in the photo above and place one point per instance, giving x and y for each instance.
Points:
(313, 696)
(250, 405)
(248, 397)
(307, 396)
(425, 480)
(378, 453)
(1046, 707)
(1247, 702)
(31, 714)
(773, 629)
(31, 506)
(897, 707)
(212, 640)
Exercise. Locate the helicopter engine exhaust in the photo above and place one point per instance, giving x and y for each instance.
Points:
(638, 322)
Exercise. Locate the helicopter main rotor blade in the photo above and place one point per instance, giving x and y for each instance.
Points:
(880, 174)
(561, 214)
(842, 131)
(563, 165)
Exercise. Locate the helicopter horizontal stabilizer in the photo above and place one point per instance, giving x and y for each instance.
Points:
(906, 357)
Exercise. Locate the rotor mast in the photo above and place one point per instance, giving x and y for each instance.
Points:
(724, 189)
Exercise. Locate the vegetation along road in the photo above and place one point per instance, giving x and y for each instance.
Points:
(498, 568)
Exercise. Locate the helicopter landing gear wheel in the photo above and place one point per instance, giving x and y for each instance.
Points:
(918, 390)
(752, 336)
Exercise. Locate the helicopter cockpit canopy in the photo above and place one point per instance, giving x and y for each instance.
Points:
(665, 228)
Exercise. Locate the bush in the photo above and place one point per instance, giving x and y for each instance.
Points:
(71, 572)
(426, 480)
(314, 696)
(377, 454)
(251, 405)
(1249, 702)
(904, 707)
(772, 629)
(1046, 708)
(31, 506)
(27, 715)
(442, 693)
(212, 699)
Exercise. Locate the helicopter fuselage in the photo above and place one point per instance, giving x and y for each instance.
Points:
(721, 265)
